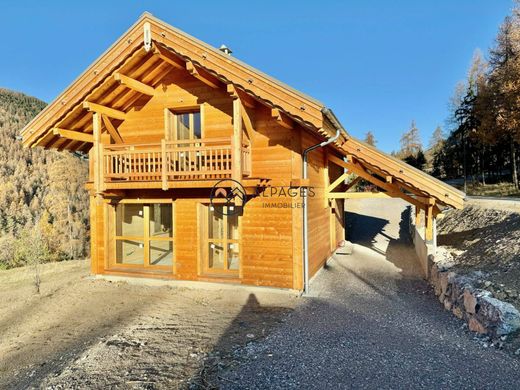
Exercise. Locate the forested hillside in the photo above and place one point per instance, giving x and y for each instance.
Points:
(43, 205)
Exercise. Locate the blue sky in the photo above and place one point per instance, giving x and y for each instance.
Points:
(377, 64)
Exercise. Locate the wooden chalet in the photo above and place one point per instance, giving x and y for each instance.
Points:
(163, 117)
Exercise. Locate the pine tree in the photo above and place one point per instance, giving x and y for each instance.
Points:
(411, 141)
(370, 138)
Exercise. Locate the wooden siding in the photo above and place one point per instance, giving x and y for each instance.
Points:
(145, 124)
(324, 227)
(271, 246)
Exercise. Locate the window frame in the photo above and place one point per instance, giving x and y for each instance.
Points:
(205, 241)
(146, 238)
(171, 122)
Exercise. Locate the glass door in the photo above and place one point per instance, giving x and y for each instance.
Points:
(221, 242)
(143, 236)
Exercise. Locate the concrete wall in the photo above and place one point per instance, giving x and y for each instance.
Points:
(424, 250)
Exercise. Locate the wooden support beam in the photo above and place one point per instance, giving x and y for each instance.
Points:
(73, 135)
(248, 123)
(360, 171)
(353, 183)
(428, 220)
(202, 75)
(112, 130)
(337, 181)
(134, 84)
(236, 93)
(98, 154)
(426, 199)
(281, 118)
(237, 141)
(244, 101)
(98, 108)
(168, 57)
(164, 174)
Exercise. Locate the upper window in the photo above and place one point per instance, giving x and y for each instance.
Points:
(185, 126)
(188, 126)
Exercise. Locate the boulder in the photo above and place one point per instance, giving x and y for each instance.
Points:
(499, 317)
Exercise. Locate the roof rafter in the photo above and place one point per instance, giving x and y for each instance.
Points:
(282, 118)
(73, 135)
(134, 84)
(202, 75)
(360, 171)
(237, 93)
(111, 112)
(167, 56)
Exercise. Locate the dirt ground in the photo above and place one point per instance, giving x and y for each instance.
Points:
(148, 336)
(484, 240)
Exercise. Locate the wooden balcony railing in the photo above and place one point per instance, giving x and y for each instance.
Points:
(201, 159)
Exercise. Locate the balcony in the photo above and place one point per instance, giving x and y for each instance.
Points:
(170, 164)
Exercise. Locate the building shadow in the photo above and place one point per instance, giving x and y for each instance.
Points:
(363, 230)
(254, 322)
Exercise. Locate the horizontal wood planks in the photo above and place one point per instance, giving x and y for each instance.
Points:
(178, 90)
(319, 233)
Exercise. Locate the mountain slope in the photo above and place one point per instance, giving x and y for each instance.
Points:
(43, 205)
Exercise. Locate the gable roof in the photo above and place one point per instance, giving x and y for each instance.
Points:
(131, 57)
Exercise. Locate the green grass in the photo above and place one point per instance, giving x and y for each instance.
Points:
(498, 189)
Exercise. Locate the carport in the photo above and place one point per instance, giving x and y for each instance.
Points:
(393, 178)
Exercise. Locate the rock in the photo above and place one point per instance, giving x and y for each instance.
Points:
(447, 304)
(444, 281)
(501, 318)
(476, 326)
(470, 301)
(487, 283)
(434, 277)
(457, 311)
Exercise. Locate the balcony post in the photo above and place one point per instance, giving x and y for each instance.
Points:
(99, 180)
(164, 166)
(237, 141)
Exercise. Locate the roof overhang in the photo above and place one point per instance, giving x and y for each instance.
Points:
(135, 64)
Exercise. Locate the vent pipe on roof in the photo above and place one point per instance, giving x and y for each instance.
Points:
(223, 48)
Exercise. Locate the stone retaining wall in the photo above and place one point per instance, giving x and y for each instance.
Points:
(483, 313)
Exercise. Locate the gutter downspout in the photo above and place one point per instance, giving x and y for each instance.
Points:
(328, 113)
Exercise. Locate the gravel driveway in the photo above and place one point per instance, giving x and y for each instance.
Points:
(372, 322)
